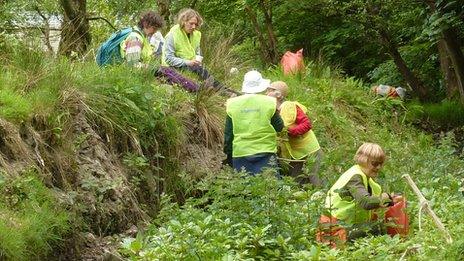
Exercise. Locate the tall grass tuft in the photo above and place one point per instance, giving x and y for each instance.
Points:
(219, 55)
(209, 113)
(31, 222)
(444, 116)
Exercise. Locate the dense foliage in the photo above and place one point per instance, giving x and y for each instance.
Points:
(369, 39)
(88, 152)
(265, 218)
(32, 224)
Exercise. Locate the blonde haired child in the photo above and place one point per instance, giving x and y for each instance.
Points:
(299, 141)
(355, 196)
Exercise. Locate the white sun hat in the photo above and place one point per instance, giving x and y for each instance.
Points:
(253, 82)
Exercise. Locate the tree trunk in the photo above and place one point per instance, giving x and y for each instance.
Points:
(75, 35)
(267, 11)
(454, 51)
(262, 41)
(163, 10)
(416, 85)
(447, 70)
(456, 57)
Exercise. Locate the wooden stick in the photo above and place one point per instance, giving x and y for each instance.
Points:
(425, 203)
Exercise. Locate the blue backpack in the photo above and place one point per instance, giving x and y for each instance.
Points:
(109, 52)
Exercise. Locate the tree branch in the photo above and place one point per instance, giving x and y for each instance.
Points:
(104, 19)
(45, 30)
(22, 28)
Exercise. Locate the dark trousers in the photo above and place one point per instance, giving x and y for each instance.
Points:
(203, 74)
(295, 170)
(254, 164)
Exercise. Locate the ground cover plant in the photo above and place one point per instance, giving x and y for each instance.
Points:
(89, 153)
(32, 223)
(105, 143)
(264, 218)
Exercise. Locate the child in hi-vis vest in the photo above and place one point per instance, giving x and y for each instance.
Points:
(354, 200)
(299, 141)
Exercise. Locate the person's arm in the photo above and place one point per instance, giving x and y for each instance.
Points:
(170, 52)
(228, 140)
(362, 197)
(277, 122)
(302, 124)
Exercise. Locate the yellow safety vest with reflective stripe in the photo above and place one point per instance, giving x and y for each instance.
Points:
(302, 145)
(251, 124)
(147, 51)
(185, 46)
(348, 210)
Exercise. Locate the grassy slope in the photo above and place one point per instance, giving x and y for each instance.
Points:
(267, 219)
(244, 219)
(143, 124)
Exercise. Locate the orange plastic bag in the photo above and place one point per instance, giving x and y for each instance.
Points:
(330, 232)
(292, 63)
(398, 219)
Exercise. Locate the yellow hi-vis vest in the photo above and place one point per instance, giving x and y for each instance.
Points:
(147, 50)
(302, 145)
(185, 47)
(348, 210)
(251, 124)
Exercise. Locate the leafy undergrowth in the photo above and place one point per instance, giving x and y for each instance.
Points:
(32, 223)
(241, 218)
(106, 143)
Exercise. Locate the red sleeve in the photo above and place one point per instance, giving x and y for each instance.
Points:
(302, 123)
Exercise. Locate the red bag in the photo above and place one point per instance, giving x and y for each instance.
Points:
(330, 232)
(397, 217)
(292, 63)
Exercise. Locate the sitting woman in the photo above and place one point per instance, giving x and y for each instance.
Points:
(182, 45)
(355, 198)
(136, 49)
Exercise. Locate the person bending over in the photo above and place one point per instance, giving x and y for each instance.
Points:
(354, 202)
(298, 141)
(252, 123)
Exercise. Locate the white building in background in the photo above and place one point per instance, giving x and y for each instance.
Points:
(32, 21)
(55, 33)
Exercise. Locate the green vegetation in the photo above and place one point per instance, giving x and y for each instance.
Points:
(110, 141)
(89, 153)
(443, 116)
(269, 219)
(32, 224)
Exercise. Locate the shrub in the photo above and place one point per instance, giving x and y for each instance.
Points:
(269, 219)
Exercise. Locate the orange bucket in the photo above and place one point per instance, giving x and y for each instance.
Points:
(396, 219)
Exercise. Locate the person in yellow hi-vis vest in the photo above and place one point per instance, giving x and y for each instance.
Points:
(252, 123)
(299, 141)
(355, 198)
(182, 46)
